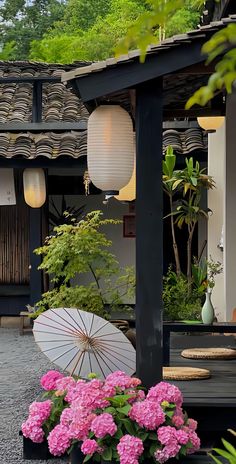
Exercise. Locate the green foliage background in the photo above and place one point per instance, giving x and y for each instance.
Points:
(63, 32)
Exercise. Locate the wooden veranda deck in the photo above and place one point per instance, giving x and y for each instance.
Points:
(212, 402)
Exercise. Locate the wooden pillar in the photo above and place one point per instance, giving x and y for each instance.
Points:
(35, 236)
(149, 235)
(230, 208)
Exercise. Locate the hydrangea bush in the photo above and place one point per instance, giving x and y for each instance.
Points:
(113, 420)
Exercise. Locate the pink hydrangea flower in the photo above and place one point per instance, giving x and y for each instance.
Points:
(182, 437)
(66, 417)
(80, 423)
(89, 447)
(40, 411)
(169, 451)
(177, 421)
(166, 435)
(74, 392)
(129, 449)
(104, 425)
(31, 430)
(192, 424)
(137, 395)
(48, 380)
(164, 391)
(121, 380)
(59, 440)
(65, 383)
(195, 441)
(147, 415)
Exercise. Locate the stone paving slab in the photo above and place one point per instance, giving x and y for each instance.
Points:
(21, 366)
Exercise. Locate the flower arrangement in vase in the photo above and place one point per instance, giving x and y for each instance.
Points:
(213, 269)
(112, 419)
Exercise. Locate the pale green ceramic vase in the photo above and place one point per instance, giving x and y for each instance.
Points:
(208, 314)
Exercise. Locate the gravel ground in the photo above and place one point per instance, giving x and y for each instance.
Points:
(21, 364)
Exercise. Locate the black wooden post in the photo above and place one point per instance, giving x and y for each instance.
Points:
(149, 198)
(35, 236)
(37, 102)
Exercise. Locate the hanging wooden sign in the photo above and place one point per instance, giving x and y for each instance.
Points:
(7, 187)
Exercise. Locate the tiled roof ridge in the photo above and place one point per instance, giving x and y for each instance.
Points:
(173, 41)
(42, 65)
(51, 144)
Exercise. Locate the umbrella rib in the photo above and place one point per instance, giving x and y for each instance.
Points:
(76, 322)
(52, 333)
(58, 315)
(108, 341)
(63, 354)
(106, 344)
(90, 362)
(120, 360)
(72, 359)
(119, 354)
(100, 328)
(117, 367)
(78, 311)
(56, 347)
(94, 352)
(91, 326)
(68, 330)
(82, 359)
(52, 341)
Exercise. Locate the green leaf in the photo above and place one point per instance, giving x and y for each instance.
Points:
(107, 454)
(129, 426)
(143, 435)
(110, 410)
(217, 461)
(125, 409)
(153, 448)
(229, 447)
(87, 457)
(225, 454)
(153, 436)
(118, 434)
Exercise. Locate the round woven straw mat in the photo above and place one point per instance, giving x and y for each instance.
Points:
(185, 373)
(209, 353)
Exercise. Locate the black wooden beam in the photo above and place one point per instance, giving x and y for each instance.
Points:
(35, 237)
(18, 80)
(43, 162)
(149, 240)
(128, 74)
(170, 113)
(37, 102)
(43, 126)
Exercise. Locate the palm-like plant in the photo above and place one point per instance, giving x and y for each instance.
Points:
(189, 182)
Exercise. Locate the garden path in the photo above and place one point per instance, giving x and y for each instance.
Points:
(21, 366)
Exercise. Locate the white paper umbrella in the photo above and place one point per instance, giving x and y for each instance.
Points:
(81, 342)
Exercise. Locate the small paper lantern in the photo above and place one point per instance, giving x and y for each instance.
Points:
(110, 152)
(34, 187)
(211, 124)
(128, 193)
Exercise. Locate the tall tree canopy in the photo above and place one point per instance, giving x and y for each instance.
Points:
(24, 21)
(49, 30)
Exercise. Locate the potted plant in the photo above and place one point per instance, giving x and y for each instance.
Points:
(213, 269)
(115, 420)
(81, 248)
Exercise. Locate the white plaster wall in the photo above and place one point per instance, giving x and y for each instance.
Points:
(123, 248)
(216, 198)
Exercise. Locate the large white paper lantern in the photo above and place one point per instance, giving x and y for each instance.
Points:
(34, 187)
(128, 193)
(110, 152)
